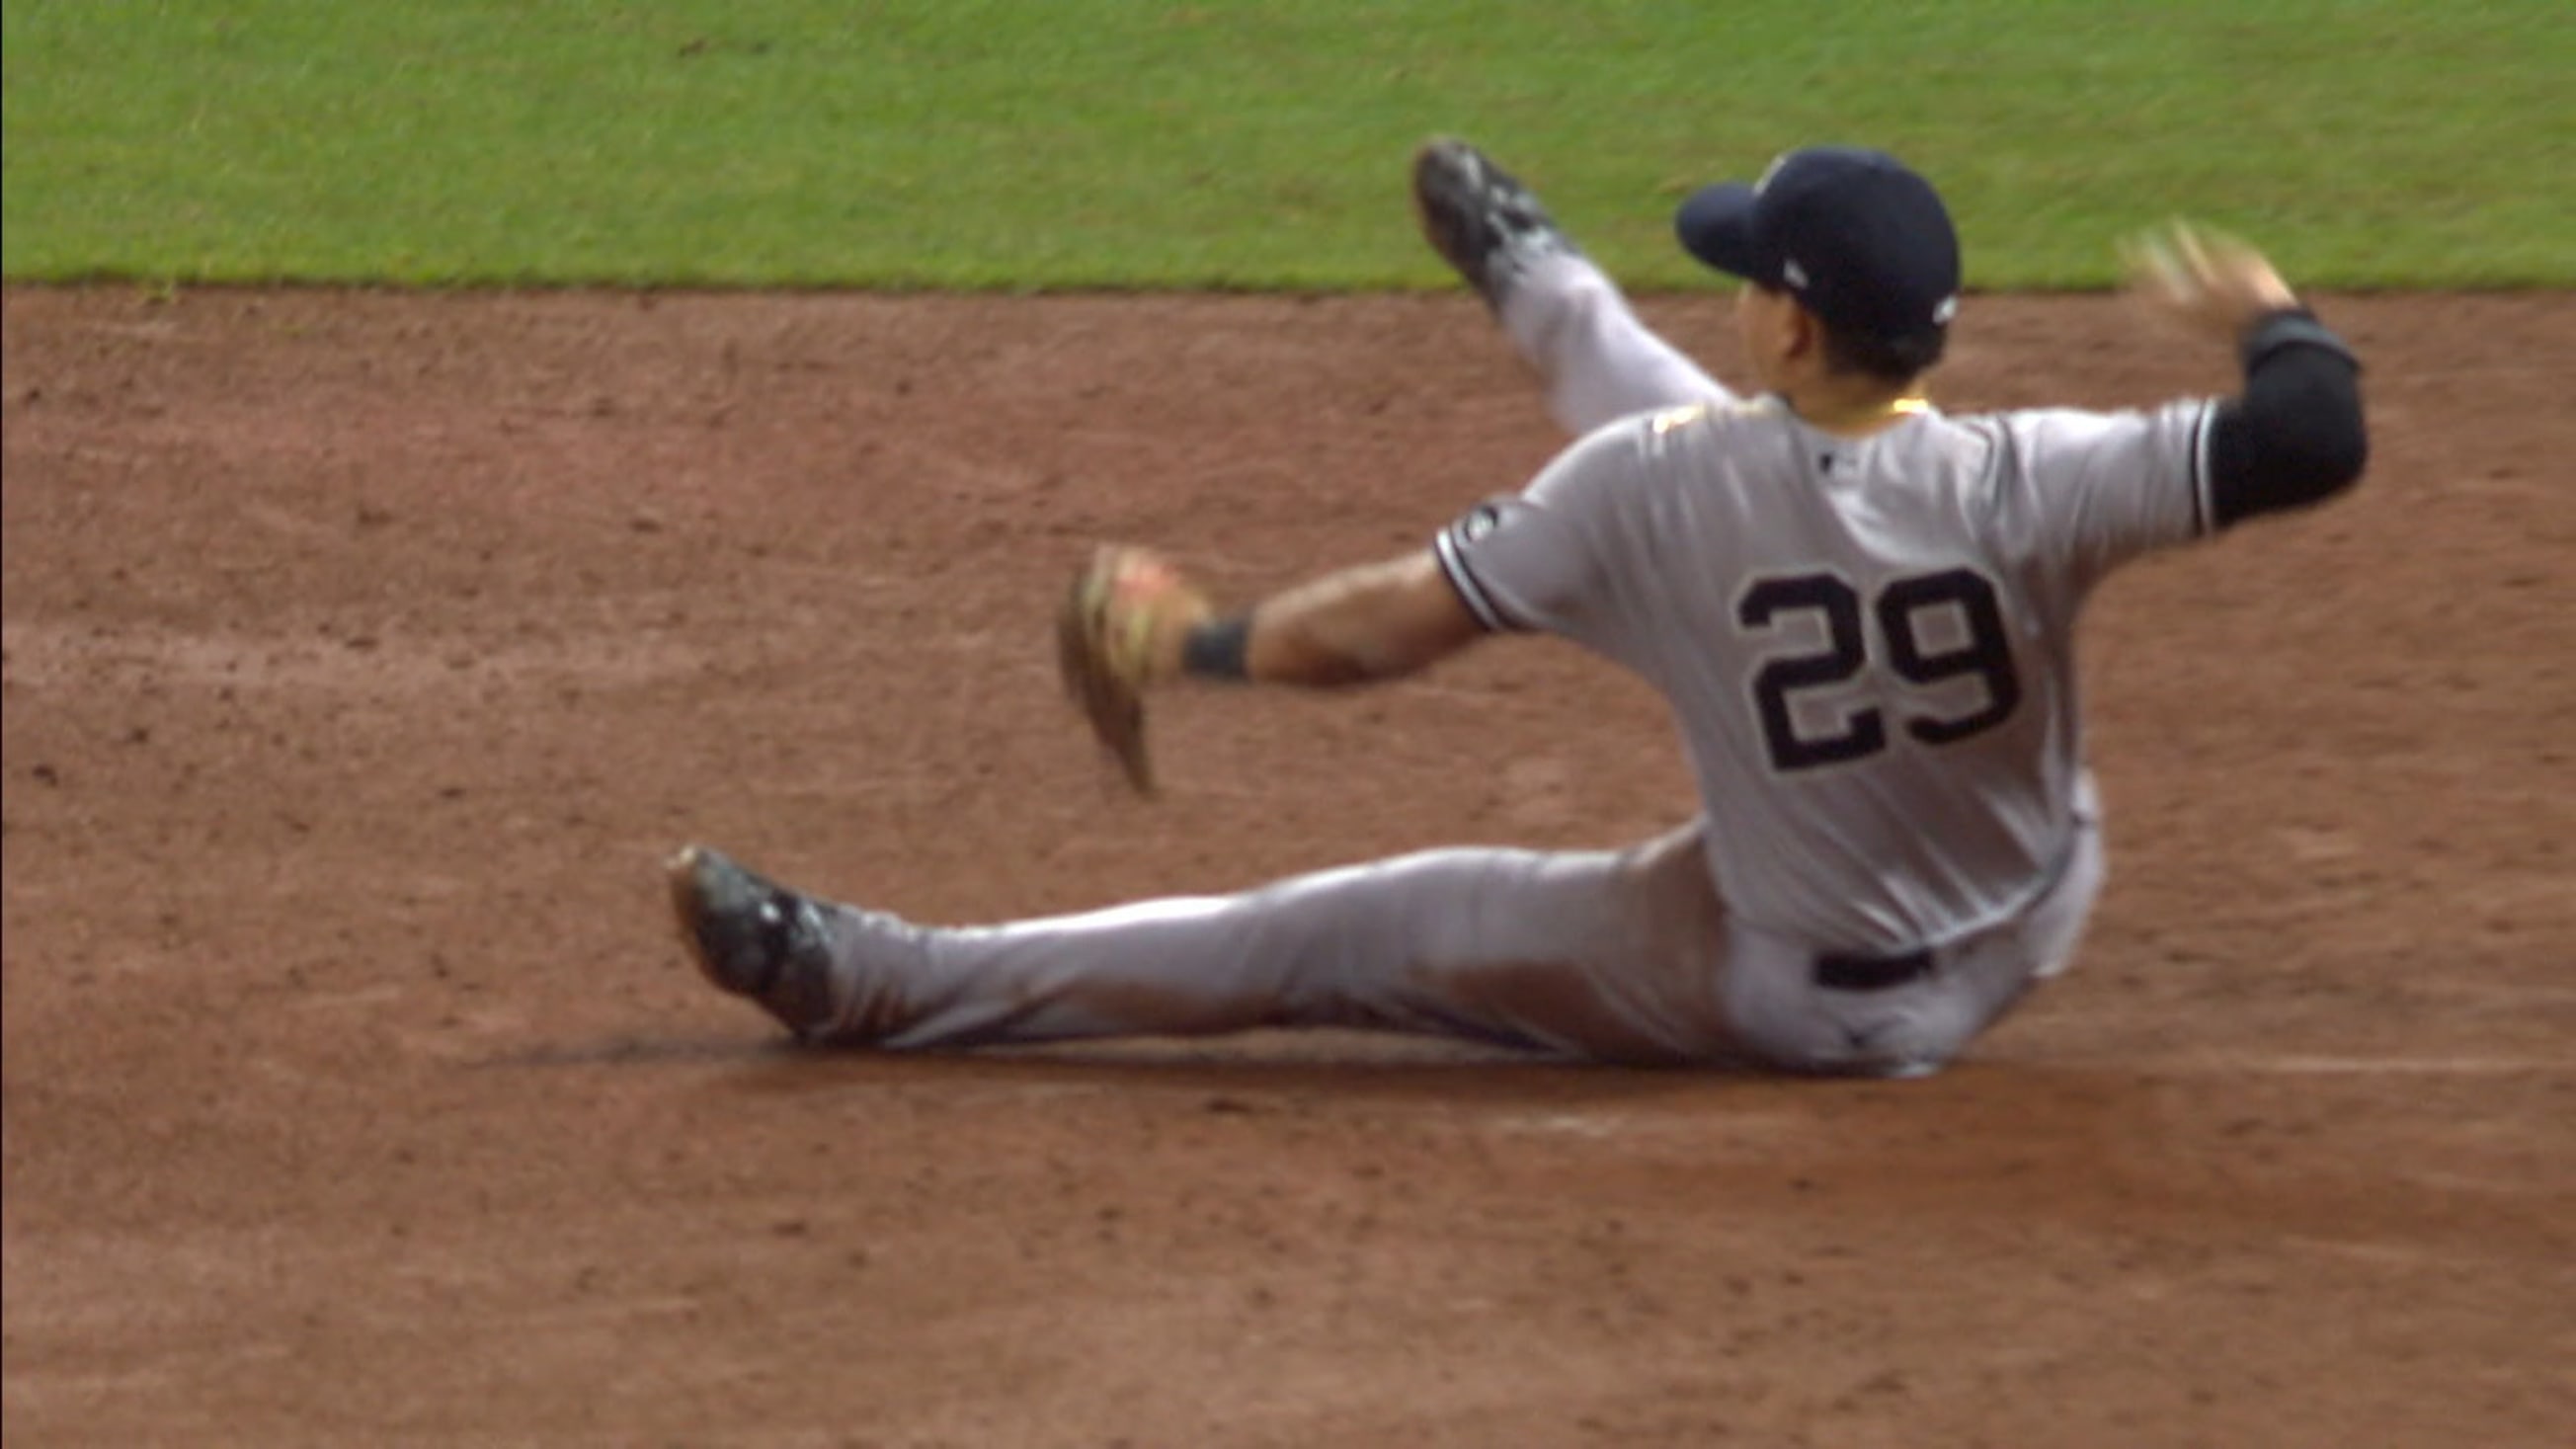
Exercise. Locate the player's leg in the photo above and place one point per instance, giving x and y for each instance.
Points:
(1593, 355)
(1604, 954)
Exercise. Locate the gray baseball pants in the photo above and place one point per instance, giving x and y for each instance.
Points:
(1611, 955)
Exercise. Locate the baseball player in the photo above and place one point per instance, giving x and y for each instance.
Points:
(1860, 608)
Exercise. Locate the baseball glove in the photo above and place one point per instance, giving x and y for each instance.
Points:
(1117, 633)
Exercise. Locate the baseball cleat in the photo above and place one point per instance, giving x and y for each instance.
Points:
(749, 936)
(1480, 218)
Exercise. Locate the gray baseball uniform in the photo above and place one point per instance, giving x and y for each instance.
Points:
(1867, 643)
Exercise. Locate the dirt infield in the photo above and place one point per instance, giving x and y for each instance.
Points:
(365, 654)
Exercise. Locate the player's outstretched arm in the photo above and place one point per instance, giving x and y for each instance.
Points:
(1353, 625)
(1360, 625)
(2295, 435)
(1131, 621)
(1357, 625)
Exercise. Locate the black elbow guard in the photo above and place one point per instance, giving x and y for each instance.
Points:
(2296, 436)
(2279, 331)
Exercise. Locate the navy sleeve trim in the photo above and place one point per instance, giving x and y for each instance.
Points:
(1453, 563)
(2203, 520)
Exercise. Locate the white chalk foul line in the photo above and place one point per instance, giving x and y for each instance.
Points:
(2391, 1066)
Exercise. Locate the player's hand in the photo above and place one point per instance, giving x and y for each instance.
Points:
(1120, 630)
(2212, 281)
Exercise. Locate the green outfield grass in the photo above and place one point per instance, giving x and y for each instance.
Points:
(1243, 143)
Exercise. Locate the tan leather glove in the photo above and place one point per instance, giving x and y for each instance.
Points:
(1120, 630)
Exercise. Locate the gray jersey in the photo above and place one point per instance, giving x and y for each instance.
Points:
(1867, 642)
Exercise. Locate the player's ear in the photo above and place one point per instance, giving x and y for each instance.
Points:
(1806, 332)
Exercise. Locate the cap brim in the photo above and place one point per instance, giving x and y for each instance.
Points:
(1716, 226)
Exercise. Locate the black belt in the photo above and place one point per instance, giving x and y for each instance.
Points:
(1836, 971)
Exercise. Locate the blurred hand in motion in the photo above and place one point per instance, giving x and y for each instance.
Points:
(2215, 283)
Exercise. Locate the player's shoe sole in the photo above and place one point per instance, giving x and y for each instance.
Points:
(1481, 220)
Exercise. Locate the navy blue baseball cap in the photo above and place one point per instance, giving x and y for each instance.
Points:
(1855, 235)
